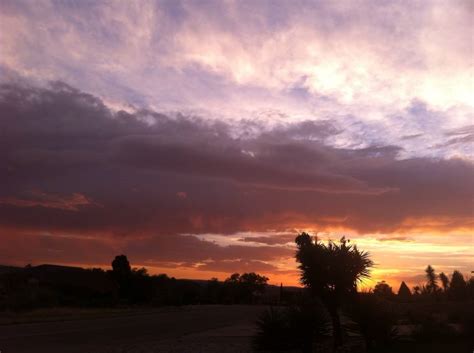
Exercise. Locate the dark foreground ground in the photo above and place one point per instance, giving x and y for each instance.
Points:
(185, 329)
(188, 329)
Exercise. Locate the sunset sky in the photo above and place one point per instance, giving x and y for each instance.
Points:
(199, 137)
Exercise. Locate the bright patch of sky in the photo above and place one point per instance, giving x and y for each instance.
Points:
(397, 73)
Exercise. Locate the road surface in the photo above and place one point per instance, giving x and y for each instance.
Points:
(185, 329)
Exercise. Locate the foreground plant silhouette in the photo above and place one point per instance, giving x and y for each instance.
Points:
(374, 319)
(293, 328)
(331, 272)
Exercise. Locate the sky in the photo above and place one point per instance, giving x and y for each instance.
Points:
(200, 137)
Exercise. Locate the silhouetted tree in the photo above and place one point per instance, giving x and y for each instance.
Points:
(458, 286)
(233, 291)
(121, 266)
(122, 272)
(233, 278)
(382, 289)
(135, 285)
(280, 293)
(470, 288)
(416, 290)
(431, 280)
(141, 286)
(331, 272)
(444, 281)
(253, 283)
(404, 291)
(213, 291)
(374, 319)
(246, 287)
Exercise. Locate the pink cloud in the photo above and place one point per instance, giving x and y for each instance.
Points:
(36, 198)
(181, 195)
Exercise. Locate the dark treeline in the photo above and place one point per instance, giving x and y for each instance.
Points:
(438, 287)
(51, 285)
(332, 316)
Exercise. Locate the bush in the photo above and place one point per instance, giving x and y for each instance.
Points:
(429, 328)
(374, 319)
(466, 321)
(295, 328)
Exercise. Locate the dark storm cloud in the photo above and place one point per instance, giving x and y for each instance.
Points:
(62, 128)
(118, 175)
(190, 249)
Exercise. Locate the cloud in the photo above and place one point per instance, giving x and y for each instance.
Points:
(273, 239)
(155, 251)
(237, 265)
(181, 194)
(461, 136)
(41, 199)
(364, 66)
(65, 142)
(395, 238)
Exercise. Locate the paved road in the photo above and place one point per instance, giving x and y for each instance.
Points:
(173, 329)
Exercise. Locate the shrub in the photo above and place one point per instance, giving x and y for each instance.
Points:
(374, 319)
(429, 328)
(295, 328)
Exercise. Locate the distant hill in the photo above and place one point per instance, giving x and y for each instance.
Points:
(62, 276)
(9, 269)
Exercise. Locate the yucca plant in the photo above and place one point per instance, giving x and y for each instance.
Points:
(331, 271)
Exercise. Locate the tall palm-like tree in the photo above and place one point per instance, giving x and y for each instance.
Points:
(444, 281)
(431, 280)
(331, 271)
